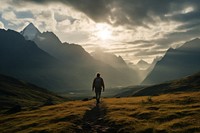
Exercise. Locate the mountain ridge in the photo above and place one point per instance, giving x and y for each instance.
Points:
(190, 83)
(25, 60)
(176, 63)
(75, 56)
(185, 84)
(30, 32)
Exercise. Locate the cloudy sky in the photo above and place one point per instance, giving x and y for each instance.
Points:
(134, 29)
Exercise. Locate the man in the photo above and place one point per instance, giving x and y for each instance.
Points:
(98, 85)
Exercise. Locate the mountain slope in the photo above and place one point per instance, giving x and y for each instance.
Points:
(162, 114)
(143, 65)
(118, 63)
(22, 59)
(83, 65)
(109, 58)
(176, 63)
(19, 93)
(68, 53)
(190, 83)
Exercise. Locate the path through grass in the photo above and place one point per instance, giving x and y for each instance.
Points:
(170, 113)
(94, 120)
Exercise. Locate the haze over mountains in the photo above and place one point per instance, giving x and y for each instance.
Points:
(176, 63)
(118, 63)
(75, 56)
(42, 59)
(143, 65)
(49, 63)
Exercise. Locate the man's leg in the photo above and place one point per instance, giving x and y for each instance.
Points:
(96, 96)
(99, 96)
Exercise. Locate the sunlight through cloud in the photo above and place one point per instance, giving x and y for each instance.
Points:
(104, 32)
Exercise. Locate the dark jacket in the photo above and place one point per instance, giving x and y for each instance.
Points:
(98, 84)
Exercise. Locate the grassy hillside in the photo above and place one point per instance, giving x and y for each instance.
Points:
(16, 95)
(129, 91)
(178, 113)
(189, 83)
(159, 114)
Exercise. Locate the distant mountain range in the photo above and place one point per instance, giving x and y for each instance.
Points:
(83, 63)
(118, 63)
(176, 63)
(16, 95)
(189, 83)
(143, 65)
(42, 59)
(185, 84)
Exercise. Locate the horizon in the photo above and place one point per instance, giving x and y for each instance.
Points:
(134, 30)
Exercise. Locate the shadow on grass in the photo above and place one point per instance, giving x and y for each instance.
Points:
(94, 120)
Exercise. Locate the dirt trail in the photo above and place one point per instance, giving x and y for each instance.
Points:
(94, 120)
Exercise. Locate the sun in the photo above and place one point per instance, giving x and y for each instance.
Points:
(103, 32)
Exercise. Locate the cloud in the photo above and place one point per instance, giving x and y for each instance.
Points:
(133, 12)
(23, 14)
(1, 25)
(9, 15)
(95, 9)
(140, 28)
(189, 25)
(59, 17)
(149, 52)
(45, 14)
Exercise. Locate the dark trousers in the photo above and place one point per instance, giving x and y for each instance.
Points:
(98, 96)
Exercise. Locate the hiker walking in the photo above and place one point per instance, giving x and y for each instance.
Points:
(98, 85)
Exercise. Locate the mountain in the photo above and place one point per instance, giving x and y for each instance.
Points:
(145, 72)
(176, 63)
(152, 65)
(23, 59)
(142, 65)
(81, 64)
(59, 67)
(118, 63)
(68, 53)
(30, 32)
(186, 84)
(109, 58)
(22, 95)
(129, 91)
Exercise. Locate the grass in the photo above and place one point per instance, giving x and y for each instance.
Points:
(165, 113)
(174, 113)
(56, 118)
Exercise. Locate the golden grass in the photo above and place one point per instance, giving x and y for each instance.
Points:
(57, 118)
(178, 113)
(166, 113)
